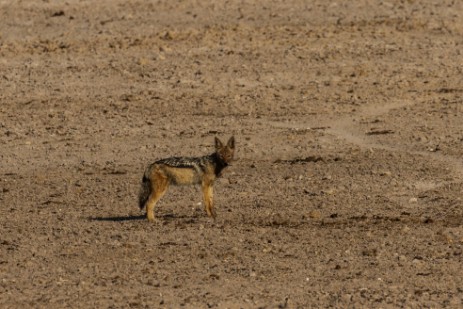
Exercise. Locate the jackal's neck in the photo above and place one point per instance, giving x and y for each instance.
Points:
(219, 163)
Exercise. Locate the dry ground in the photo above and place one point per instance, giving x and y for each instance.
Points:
(346, 191)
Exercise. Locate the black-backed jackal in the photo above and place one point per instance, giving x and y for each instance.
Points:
(185, 171)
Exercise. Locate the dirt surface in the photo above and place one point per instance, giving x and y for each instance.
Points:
(346, 191)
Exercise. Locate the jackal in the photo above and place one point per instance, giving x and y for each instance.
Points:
(185, 171)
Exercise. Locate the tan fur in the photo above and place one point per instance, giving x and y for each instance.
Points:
(186, 171)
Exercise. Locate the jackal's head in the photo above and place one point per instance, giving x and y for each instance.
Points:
(225, 153)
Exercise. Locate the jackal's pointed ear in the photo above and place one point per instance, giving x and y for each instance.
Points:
(231, 143)
(218, 143)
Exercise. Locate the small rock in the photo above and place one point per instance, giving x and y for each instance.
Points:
(315, 214)
(406, 229)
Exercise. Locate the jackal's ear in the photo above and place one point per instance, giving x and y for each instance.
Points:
(218, 143)
(231, 143)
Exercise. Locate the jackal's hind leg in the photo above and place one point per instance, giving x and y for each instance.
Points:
(159, 183)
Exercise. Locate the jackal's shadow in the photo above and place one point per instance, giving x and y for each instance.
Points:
(118, 218)
(164, 217)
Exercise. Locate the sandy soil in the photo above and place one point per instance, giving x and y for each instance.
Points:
(346, 191)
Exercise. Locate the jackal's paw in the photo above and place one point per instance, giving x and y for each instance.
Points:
(210, 211)
(213, 214)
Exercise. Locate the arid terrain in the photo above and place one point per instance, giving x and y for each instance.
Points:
(347, 187)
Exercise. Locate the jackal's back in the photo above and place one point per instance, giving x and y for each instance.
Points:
(197, 163)
(185, 170)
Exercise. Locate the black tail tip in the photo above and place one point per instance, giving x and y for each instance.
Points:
(142, 201)
(144, 193)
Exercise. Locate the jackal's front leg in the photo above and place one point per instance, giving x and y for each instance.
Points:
(208, 203)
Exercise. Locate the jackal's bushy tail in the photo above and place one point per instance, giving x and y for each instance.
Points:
(145, 192)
